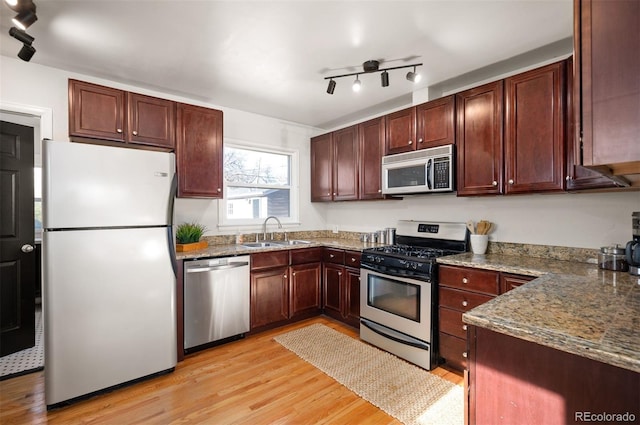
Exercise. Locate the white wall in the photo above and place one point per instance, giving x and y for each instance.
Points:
(30, 84)
(584, 220)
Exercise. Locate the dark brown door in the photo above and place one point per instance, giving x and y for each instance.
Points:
(305, 288)
(372, 141)
(96, 111)
(151, 121)
(479, 140)
(332, 286)
(269, 297)
(436, 123)
(534, 130)
(17, 255)
(199, 152)
(401, 131)
(321, 168)
(345, 169)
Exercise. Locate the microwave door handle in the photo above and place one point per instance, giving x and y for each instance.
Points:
(429, 174)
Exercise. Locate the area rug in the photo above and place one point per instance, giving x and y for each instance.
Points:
(25, 361)
(404, 391)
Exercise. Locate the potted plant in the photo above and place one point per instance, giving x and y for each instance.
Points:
(188, 237)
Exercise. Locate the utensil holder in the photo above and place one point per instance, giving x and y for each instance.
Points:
(479, 244)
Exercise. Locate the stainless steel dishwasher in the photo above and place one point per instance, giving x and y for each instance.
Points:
(216, 299)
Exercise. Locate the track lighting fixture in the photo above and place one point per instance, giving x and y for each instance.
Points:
(331, 87)
(26, 16)
(21, 36)
(26, 53)
(357, 85)
(369, 67)
(413, 76)
(384, 79)
(25, 19)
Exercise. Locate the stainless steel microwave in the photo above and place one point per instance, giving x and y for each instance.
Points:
(421, 171)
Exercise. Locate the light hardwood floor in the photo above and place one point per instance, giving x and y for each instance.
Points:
(251, 381)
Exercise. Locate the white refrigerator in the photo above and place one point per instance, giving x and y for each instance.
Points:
(108, 267)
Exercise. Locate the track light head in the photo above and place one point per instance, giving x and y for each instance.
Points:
(357, 85)
(21, 36)
(413, 76)
(384, 79)
(26, 53)
(11, 3)
(25, 19)
(20, 5)
(331, 87)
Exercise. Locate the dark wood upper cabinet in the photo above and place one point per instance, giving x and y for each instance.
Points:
(322, 168)
(435, 123)
(372, 141)
(480, 140)
(401, 131)
(345, 164)
(152, 121)
(97, 112)
(535, 130)
(199, 151)
(607, 42)
(107, 114)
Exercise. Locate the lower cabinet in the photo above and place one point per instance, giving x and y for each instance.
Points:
(341, 285)
(460, 290)
(285, 286)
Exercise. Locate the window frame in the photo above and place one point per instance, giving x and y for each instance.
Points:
(294, 186)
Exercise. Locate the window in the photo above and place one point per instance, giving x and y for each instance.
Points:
(258, 183)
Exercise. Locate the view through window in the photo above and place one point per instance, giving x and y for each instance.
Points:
(258, 185)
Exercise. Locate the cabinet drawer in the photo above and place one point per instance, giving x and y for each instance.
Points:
(484, 281)
(352, 259)
(461, 300)
(331, 255)
(267, 260)
(305, 255)
(454, 351)
(451, 323)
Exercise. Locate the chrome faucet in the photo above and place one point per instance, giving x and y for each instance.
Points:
(264, 226)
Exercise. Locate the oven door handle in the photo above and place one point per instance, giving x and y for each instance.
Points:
(385, 273)
(404, 339)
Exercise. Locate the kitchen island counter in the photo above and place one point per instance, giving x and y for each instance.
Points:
(572, 307)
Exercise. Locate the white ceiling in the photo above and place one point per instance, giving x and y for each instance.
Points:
(271, 57)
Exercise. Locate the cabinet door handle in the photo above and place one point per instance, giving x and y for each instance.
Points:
(353, 260)
(464, 354)
(465, 280)
(510, 181)
(419, 140)
(219, 190)
(135, 133)
(118, 130)
(334, 193)
(379, 190)
(494, 183)
(464, 327)
(284, 275)
(293, 274)
(465, 303)
(411, 142)
(339, 273)
(568, 178)
(330, 255)
(328, 194)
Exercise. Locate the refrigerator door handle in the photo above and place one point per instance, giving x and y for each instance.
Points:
(172, 198)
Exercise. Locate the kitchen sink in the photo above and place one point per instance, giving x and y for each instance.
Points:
(268, 244)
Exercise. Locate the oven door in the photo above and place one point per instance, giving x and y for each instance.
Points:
(399, 303)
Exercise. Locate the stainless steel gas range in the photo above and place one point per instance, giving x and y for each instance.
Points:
(398, 291)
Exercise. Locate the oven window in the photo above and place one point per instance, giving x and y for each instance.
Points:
(395, 297)
(407, 176)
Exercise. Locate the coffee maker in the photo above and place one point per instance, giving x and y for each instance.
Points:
(632, 250)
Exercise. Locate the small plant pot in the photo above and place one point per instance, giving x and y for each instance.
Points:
(182, 247)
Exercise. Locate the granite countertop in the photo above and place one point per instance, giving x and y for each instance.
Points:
(238, 249)
(573, 307)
